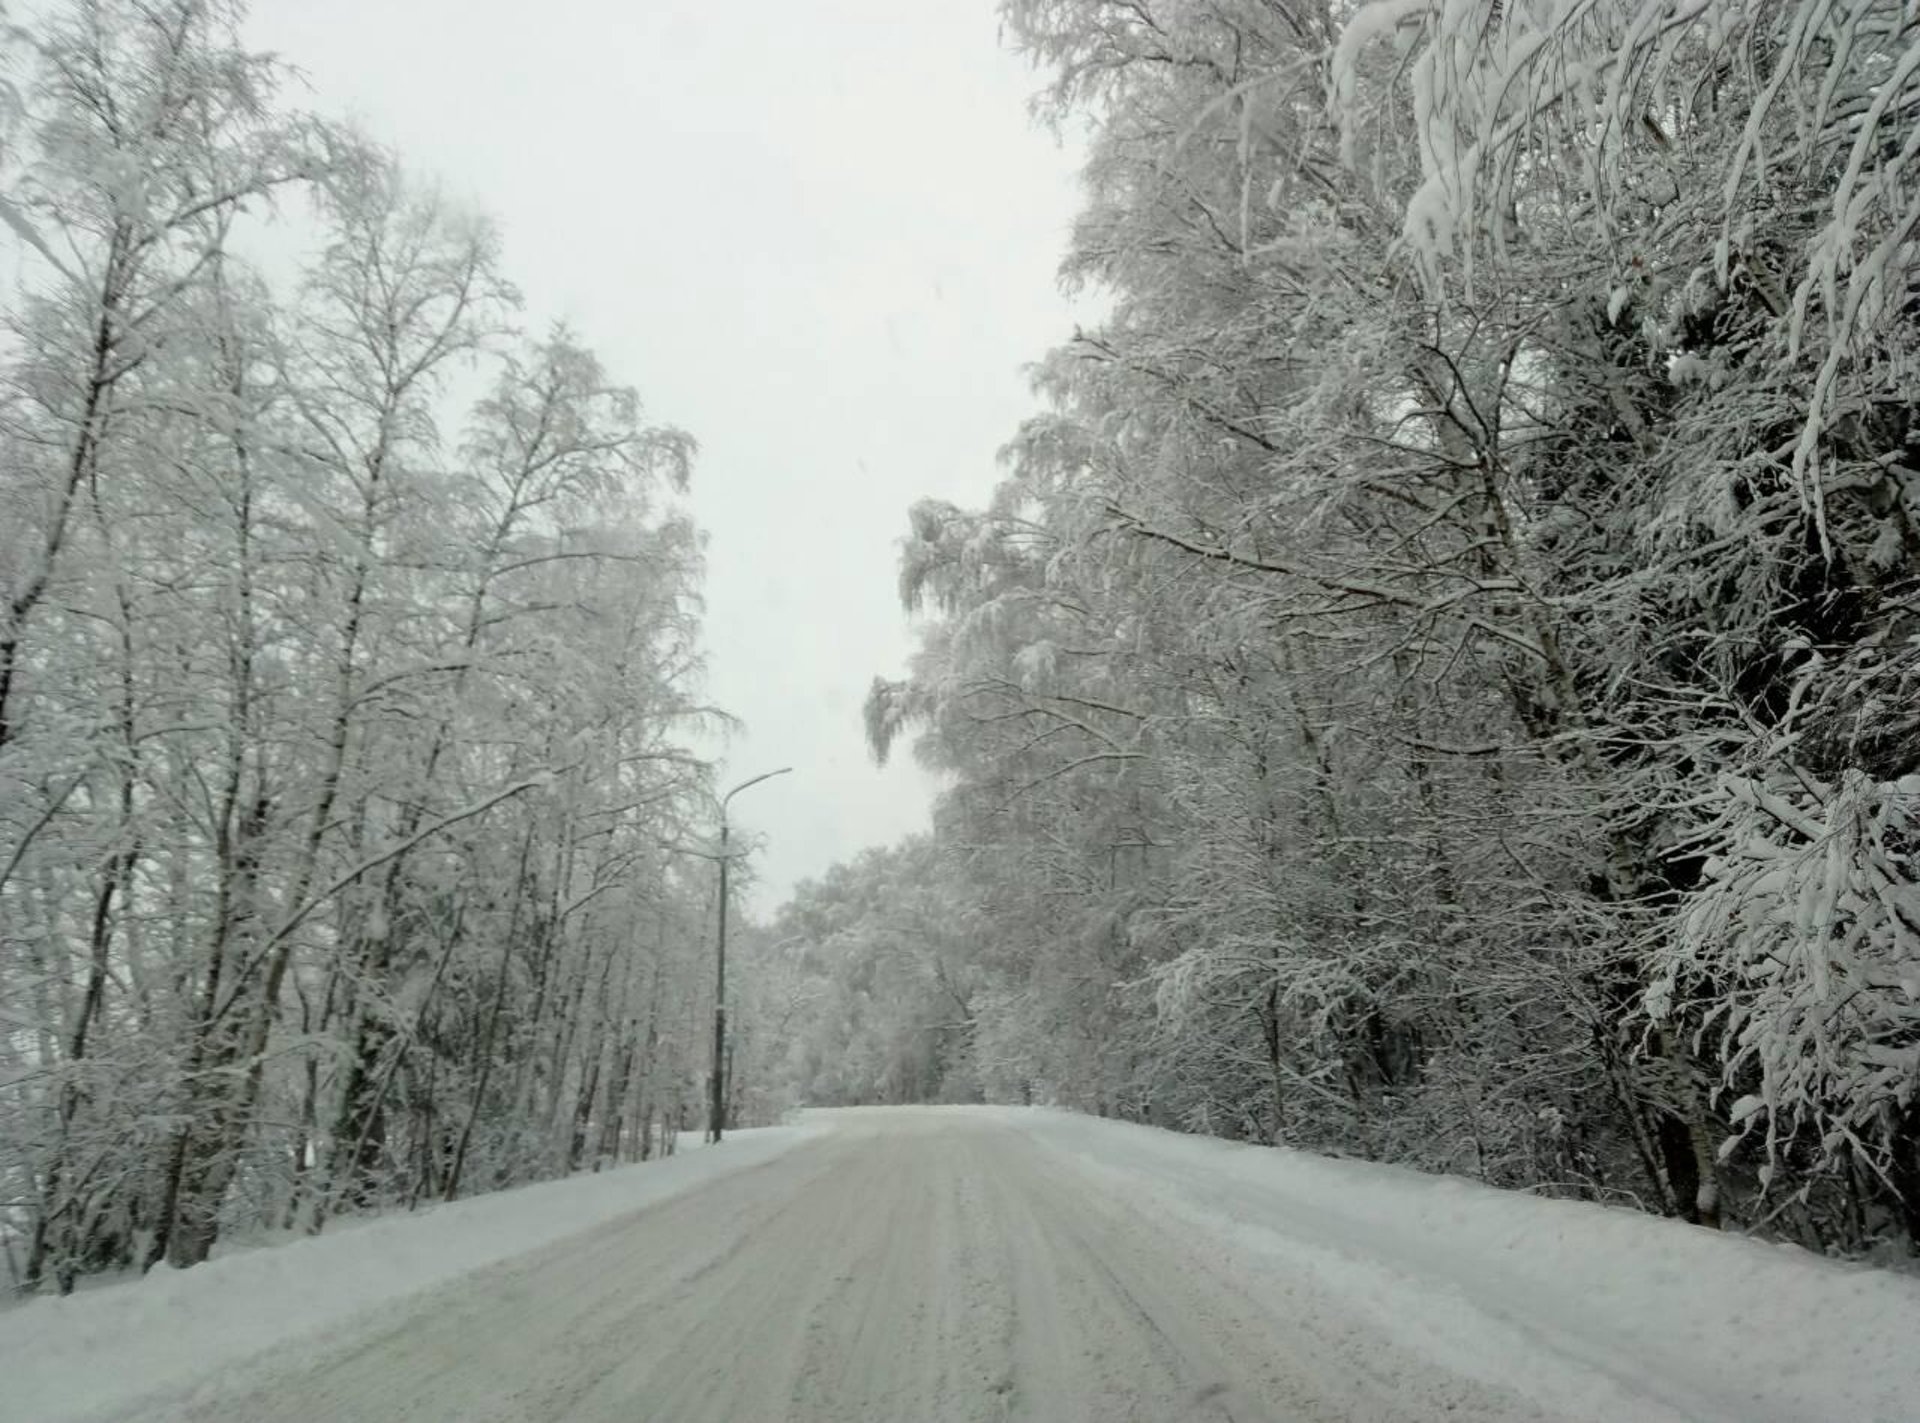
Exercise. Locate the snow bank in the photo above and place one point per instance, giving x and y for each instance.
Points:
(1559, 1299)
(103, 1349)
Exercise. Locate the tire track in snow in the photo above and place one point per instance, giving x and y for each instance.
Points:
(908, 1267)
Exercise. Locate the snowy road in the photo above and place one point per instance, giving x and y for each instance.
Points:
(903, 1266)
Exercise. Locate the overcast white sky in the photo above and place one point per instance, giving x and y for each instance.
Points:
(819, 234)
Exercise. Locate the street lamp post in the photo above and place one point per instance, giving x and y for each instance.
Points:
(717, 1105)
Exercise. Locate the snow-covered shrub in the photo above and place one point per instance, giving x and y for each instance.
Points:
(1808, 926)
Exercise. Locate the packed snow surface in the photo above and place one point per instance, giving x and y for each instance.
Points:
(986, 1264)
(94, 1353)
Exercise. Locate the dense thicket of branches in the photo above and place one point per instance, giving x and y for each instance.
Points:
(341, 788)
(1441, 681)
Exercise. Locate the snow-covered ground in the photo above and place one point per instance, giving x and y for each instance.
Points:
(1593, 1312)
(101, 1349)
(945, 1264)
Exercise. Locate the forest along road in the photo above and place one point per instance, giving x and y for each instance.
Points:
(903, 1266)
